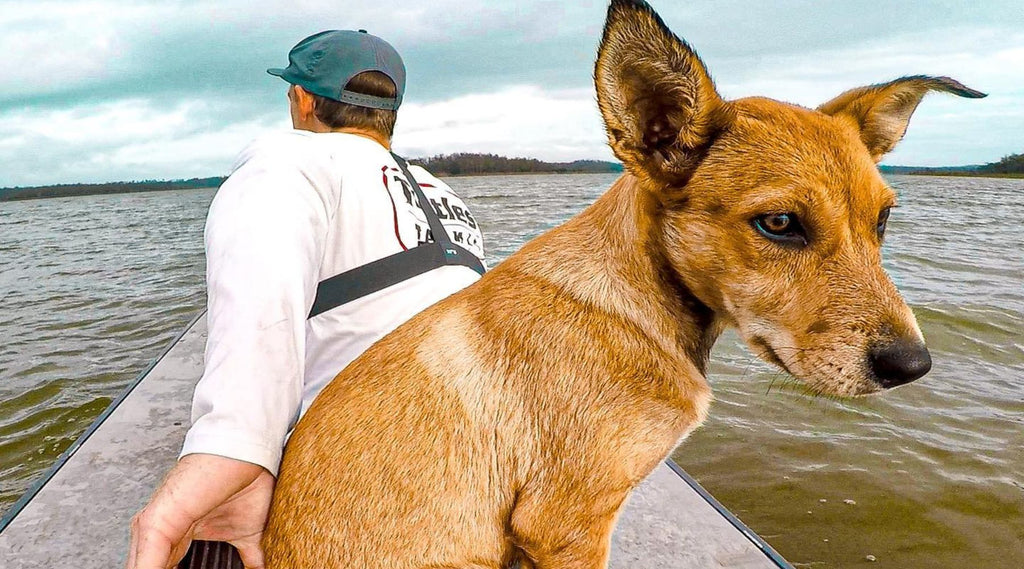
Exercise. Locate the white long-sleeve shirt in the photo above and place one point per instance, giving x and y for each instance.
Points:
(300, 207)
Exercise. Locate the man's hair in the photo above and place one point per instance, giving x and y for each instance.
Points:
(336, 114)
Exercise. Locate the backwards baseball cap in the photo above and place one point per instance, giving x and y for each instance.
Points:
(324, 63)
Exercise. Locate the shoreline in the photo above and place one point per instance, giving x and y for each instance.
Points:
(481, 174)
(76, 190)
(1001, 175)
(42, 194)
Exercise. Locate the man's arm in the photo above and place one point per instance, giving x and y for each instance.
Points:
(264, 243)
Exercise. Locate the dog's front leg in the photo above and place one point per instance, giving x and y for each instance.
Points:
(566, 526)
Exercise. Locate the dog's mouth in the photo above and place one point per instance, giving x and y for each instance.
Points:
(769, 354)
(838, 386)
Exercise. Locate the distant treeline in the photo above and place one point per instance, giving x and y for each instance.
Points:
(441, 165)
(1011, 166)
(463, 164)
(64, 190)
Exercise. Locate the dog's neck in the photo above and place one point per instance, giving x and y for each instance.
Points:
(611, 256)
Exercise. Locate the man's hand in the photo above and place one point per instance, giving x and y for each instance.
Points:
(203, 497)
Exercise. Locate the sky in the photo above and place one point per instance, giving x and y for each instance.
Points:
(97, 91)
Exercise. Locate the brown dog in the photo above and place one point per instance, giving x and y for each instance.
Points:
(510, 421)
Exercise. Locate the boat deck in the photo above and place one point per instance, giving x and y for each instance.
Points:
(78, 514)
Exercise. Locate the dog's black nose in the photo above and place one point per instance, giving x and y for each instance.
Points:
(899, 362)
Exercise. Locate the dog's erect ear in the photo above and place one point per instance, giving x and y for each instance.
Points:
(660, 106)
(883, 111)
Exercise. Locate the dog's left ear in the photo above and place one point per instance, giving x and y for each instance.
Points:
(659, 104)
(882, 112)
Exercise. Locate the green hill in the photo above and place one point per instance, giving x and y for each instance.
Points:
(1011, 166)
(463, 164)
(65, 190)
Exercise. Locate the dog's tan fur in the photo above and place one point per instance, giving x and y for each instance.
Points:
(511, 420)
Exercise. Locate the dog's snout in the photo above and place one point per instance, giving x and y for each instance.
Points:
(899, 362)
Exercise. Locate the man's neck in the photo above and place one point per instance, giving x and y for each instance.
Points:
(373, 135)
(377, 137)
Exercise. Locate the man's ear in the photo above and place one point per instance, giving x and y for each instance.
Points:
(882, 112)
(304, 101)
(660, 107)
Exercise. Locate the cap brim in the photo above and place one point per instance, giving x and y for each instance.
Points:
(276, 71)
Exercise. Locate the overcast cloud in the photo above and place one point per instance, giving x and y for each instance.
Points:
(103, 90)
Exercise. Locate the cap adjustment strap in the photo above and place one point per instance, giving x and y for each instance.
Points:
(371, 101)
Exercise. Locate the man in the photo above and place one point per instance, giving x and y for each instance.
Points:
(298, 208)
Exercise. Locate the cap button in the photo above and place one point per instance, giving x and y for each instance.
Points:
(362, 31)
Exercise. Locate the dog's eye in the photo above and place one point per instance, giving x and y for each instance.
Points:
(782, 228)
(882, 218)
(777, 223)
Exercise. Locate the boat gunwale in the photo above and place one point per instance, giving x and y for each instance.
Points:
(37, 486)
(750, 534)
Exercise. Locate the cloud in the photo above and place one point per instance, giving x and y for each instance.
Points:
(191, 73)
(945, 130)
(559, 125)
(128, 139)
(196, 137)
(54, 51)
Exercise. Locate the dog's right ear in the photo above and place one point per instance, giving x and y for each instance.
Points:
(659, 104)
(882, 112)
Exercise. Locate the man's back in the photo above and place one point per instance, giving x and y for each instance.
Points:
(302, 209)
(343, 202)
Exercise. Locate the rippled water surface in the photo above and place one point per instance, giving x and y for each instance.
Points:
(931, 475)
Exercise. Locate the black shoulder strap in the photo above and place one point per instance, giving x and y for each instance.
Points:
(393, 269)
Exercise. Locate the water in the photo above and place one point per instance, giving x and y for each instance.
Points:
(92, 288)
